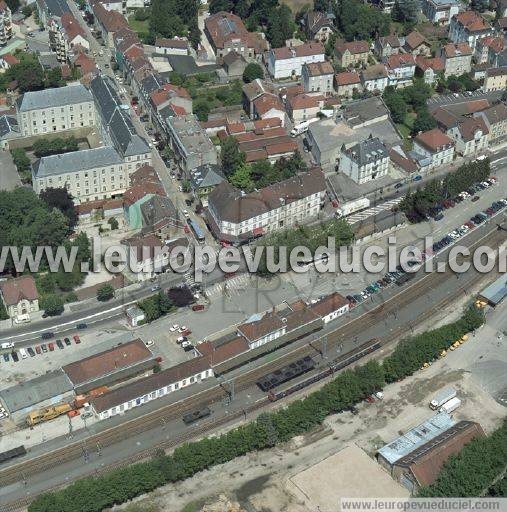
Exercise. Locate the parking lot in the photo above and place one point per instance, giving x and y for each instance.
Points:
(449, 99)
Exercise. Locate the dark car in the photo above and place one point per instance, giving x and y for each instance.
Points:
(6, 358)
(47, 335)
(440, 216)
(59, 344)
(66, 341)
(81, 326)
(475, 198)
(398, 185)
(31, 351)
(15, 357)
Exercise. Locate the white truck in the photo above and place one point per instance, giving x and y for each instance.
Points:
(302, 127)
(451, 405)
(7, 345)
(443, 396)
(352, 207)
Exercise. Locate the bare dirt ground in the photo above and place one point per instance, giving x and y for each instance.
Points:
(263, 482)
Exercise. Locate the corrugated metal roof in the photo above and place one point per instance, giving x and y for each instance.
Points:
(416, 437)
(496, 291)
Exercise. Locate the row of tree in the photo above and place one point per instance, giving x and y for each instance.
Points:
(417, 205)
(311, 237)
(472, 471)
(454, 83)
(45, 147)
(269, 429)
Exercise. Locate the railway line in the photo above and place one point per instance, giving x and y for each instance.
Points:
(21, 471)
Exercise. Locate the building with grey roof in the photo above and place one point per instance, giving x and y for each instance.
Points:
(204, 179)
(49, 8)
(116, 123)
(89, 175)
(191, 145)
(9, 129)
(55, 110)
(495, 292)
(414, 438)
(365, 161)
(160, 217)
(49, 388)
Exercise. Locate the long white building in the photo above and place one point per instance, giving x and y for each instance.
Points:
(286, 62)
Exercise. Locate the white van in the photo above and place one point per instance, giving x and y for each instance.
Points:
(23, 353)
(7, 345)
(22, 319)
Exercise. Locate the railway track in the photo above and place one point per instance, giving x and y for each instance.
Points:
(22, 470)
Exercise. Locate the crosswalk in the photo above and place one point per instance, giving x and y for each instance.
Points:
(231, 286)
(374, 210)
(189, 279)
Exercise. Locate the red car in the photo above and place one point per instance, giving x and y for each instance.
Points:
(197, 307)
(37, 349)
(223, 243)
(186, 229)
(334, 202)
(77, 339)
(51, 346)
(186, 332)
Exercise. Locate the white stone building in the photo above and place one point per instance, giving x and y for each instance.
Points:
(20, 297)
(365, 161)
(55, 110)
(286, 62)
(435, 145)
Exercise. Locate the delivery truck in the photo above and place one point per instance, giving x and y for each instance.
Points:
(451, 405)
(443, 396)
(302, 127)
(352, 207)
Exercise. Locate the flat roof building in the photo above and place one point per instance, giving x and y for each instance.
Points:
(47, 389)
(118, 363)
(495, 292)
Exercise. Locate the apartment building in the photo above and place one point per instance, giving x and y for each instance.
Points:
(319, 25)
(435, 145)
(400, 69)
(191, 144)
(19, 296)
(235, 216)
(488, 49)
(351, 53)
(457, 58)
(174, 46)
(416, 44)
(469, 27)
(64, 34)
(375, 78)
(365, 161)
(48, 9)
(495, 118)
(387, 46)
(5, 23)
(471, 136)
(430, 68)
(88, 175)
(495, 79)
(226, 32)
(55, 110)
(318, 77)
(440, 11)
(288, 62)
(302, 107)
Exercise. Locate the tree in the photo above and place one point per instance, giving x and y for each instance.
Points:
(405, 11)
(54, 78)
(252, 72)
(194, 34)
(61, 199)
(396, 104)
(423, 122)
(29, 75)
(231, 156)
(280, 26)
(105, 293)
(220, 5)
(241, 178)
(479, 5)
(113, 223)
(27, 11)
(185, 186)
(201, 109)
(52, 304)
(13, 5)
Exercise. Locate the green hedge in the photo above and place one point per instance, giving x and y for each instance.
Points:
(298, 417)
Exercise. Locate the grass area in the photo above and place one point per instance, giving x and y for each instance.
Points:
(405, 133)
(296, 5)
(141, 27)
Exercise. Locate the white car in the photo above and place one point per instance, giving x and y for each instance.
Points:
(186, 344)
(149, 343)
(174, 328)
(183, 328)
(186, 214)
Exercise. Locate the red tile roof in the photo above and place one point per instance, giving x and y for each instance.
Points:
(414, 40)
(221, 353)
(329, 304)
(471, 126)
(267, 102)
(110, 20)
(15, 290)
(303, 50)
(347, 78)
(85, 63)
(434, 140)
(436, 64)
(269, 323)
(319, 68)
(399, 60)
(303, 101)
(72, 27)
(472, 21)
(457, 50)
(354, 47)
(10, 59)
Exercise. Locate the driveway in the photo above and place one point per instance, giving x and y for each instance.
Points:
(9, 178)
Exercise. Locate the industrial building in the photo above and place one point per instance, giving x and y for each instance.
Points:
(113, 365)
(421, 466)
(495, 292)
(48, 389)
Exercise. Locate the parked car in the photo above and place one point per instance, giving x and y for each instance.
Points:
(77, 339)
(6, 357)
(15, 356)
(30, 351)
(475, 198)
(37, 349)
(47, 335)
(174, 328)
(81, 326)
(66, 341)
(60, 344)
(51, 346)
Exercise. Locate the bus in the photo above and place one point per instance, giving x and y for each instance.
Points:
(199, 235)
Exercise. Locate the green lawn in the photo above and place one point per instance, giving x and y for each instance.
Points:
(405, 133)
(141, 27)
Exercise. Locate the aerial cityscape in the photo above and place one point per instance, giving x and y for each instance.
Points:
(253, 255)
